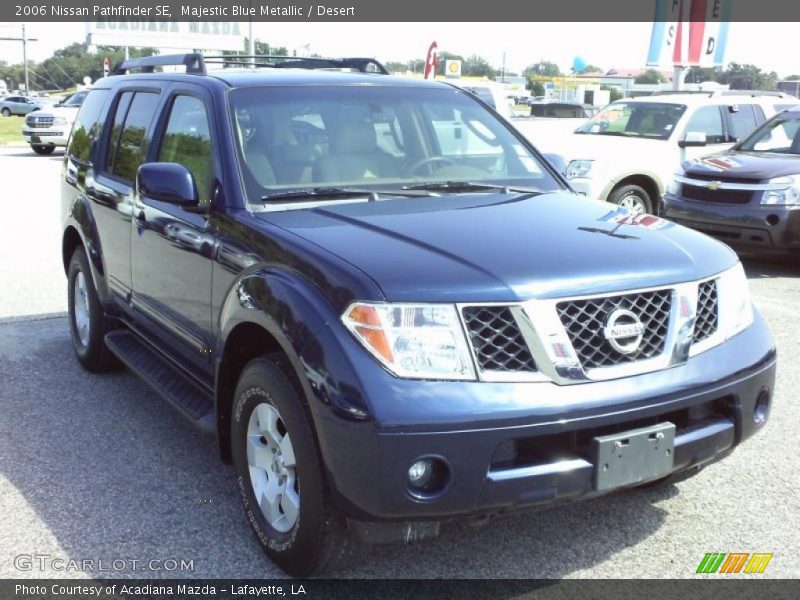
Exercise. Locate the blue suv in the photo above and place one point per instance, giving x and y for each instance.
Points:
(386, 305)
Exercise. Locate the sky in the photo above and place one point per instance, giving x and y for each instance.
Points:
(607, 45)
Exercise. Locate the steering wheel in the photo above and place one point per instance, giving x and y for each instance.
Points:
(412, 170)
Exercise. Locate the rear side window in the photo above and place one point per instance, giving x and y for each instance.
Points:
(130, 147)
(743, 121)
(88, 125)
(708, 120)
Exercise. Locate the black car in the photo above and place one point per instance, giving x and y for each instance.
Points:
(388, 308)
(748, 196)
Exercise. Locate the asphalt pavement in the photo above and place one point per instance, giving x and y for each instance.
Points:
(98, 468)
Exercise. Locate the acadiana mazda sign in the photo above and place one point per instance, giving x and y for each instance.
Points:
(204, 35)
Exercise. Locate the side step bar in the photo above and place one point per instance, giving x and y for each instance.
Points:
(190, 399)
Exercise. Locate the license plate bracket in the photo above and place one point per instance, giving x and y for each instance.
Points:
(633, 456)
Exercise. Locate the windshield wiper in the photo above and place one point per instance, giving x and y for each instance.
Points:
(332, 193)
(469, 186)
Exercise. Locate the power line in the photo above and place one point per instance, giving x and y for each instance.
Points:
(24, 39)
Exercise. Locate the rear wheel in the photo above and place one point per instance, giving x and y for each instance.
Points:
(43, 149)
(633, 197)
(88, 323)
(279, 472)
(6, 112)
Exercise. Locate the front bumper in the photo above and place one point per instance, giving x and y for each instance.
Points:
(502, 457)
(745, 227)
(56, 136)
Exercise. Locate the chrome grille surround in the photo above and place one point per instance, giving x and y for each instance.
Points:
(681, 322)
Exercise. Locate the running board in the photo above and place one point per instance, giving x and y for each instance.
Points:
(190, 399)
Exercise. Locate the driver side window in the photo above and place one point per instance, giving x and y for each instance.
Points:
(708, 120)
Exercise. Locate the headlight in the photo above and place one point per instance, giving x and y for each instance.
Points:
(672, 184)
(735, 305)
(420, 341)
(783, 196)
(581, 168)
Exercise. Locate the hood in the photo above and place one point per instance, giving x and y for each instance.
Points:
(592, 146)
(736, 164)
(502, 247)
(68, 112)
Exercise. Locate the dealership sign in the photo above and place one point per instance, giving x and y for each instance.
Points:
(689, 33)
(205, 35)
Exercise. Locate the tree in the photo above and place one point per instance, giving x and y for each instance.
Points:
(614, 93)
(396, 67)
(592, 69)
(792, 78)
(542, 69)
(536, 88)
(650, 76)
(477, 66)
(748, 77)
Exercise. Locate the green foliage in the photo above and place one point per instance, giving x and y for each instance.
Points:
(650, 76)
(614, 93)
(542, 69)
(536, 88)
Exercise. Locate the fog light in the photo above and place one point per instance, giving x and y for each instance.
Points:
(428, 477)
(420, 473)
(761, 410)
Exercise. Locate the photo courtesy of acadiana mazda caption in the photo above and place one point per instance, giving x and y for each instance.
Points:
(386, 305)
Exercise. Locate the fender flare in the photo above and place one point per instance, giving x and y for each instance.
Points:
(81, 219)
(293, 313)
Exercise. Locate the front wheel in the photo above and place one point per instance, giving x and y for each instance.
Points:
(279, 472)
(43, 149)
(633, 197)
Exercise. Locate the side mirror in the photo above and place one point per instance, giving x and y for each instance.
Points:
(167, 182)
(693, 139)
(557, 162)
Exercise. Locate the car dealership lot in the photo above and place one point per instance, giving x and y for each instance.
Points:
(99, 468)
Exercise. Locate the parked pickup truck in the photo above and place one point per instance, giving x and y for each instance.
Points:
(382, 329)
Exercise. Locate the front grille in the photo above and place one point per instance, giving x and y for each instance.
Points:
(497, 339)
(39, 122)
(705, 324)
(721, 196)
(585, 320)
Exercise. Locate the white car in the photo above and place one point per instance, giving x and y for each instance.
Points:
(628, 152)
(49, 128)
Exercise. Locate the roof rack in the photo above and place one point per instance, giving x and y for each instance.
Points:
(195, 63)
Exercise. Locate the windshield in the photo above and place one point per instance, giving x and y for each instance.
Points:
(375, 138)
(780, 135)
(653, 120)
(75, 99)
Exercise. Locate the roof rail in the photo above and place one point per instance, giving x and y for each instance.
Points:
(193, 62)
(752, 93)
(364, 65)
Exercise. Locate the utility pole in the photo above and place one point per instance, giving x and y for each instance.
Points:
(24, 39)
(503, 71)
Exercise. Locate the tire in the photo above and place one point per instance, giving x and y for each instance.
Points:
(6, 112)
(632, 197)
(299, 530)
(43, 149)
(87, 321)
